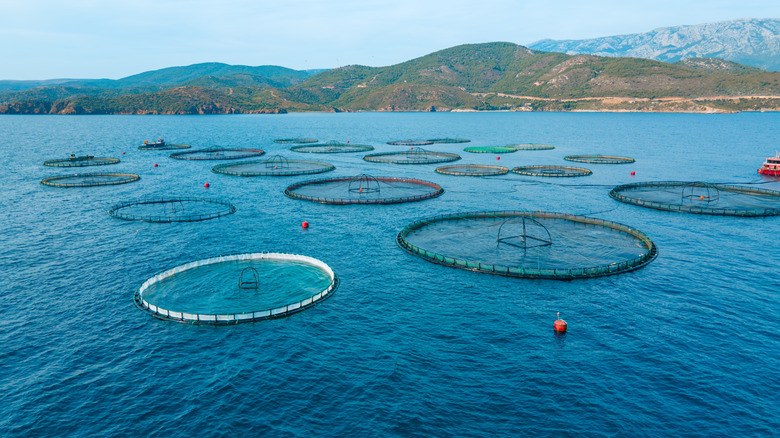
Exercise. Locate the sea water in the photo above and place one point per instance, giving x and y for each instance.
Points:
(686, 346)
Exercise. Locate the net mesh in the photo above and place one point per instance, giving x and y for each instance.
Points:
(217, 154)
(528, 244)
(530, 147)
(490, 150)
(166, 210)
(364, 189)
(276, 165)
(700, 198)
(237, 288)
(553, 171)
(295, 140)
(332, 147)
(83, 161)
(412, 156)
(472, 170)
(90, 179)
(599, 159)
(410, 142)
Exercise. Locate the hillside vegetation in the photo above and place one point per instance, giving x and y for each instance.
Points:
(469, 77)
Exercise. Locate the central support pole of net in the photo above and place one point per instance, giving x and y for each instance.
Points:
(700, 191)
(525, 240)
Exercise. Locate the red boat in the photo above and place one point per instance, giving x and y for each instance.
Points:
(771, 166)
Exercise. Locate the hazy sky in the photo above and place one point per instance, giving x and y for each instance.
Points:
(43, 39)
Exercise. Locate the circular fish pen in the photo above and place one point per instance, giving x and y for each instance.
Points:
(276, 165)
(165, 210)
(700, 198)
(295, 140)
(412, 156)
(528, 244)
(83, 161)
(490, 150)
(410, 142)
(162, 146)
(530, 147)
(553, 171)
(599, 159)
(449, 140)
(472, 170)
(332, 147)
(237, 288)
(90, 179)
(217, 154)
(364, 189)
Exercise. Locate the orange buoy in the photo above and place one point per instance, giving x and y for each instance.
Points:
(701, 197)
(560, 325)
(206, 185)
(304, 224)
(155, 164)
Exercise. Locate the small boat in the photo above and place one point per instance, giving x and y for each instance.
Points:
(771, 166)
(159, 142)
(73, 157)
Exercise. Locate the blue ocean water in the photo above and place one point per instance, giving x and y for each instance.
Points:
(686, 346)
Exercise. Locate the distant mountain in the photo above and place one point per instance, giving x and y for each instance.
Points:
(490, 76)
(752, 42)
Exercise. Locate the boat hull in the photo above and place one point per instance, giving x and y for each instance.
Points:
(769, 172)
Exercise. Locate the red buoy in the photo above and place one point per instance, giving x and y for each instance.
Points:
(633, 173)
(155, 164)
(498, 158)
(304, 224)
(123, 153)
(560, 325)
(206, 185)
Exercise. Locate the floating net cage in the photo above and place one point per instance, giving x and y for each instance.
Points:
(364, 189)
(449, 140)
(554, 171)
(332, 147)
(599, 159)
(472, 170)
(295, 140)
(83, 161)
(530, 147)
(237, 288)
(528, 244)
(217, 154)
(164, 210)
(412, 156)
(700, 198)
(162, 146)
(410, 142)
(276, 165)
(490, 150)
(90, 179)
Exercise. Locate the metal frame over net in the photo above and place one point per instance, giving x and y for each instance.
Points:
(332, 147)
(295, 140)
(526, 233)
(172, 210)
(90, 179)
(84, 161)
(599, 159)
(472, 170)
(410, 142)
(530, 147)
(552, 171)
(218, 154)
(490, 150)
(412, 156)
(449, 140)
(365, 189)
(276, 165)
(700, 197)
(245, 282)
